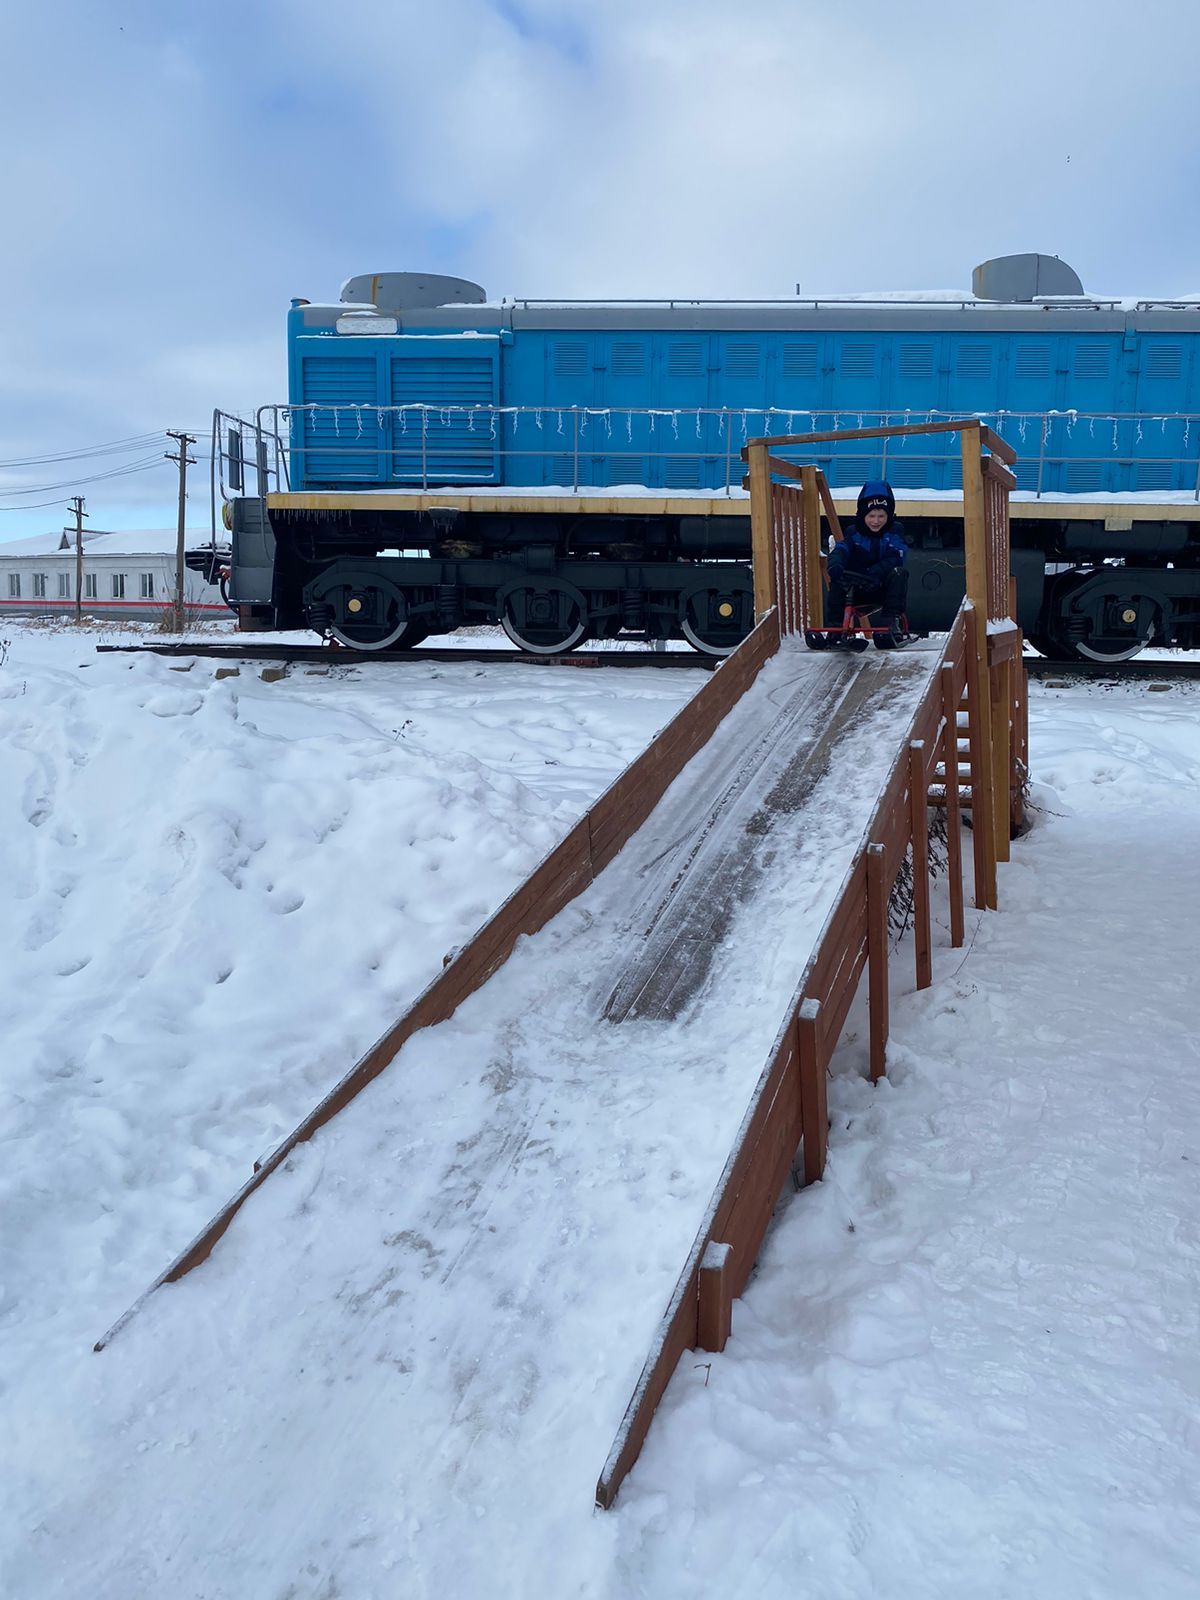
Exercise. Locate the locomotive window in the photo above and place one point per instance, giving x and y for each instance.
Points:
(118, 586)
(14, 586)
(39, 586)
(147, 586)
(64, 586)
(89, 585)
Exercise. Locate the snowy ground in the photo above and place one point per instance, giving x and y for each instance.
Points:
(216, 893)
(966, 1364)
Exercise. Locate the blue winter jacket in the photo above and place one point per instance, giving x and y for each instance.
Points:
(866, 555)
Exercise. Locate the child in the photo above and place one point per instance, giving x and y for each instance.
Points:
(868, 565)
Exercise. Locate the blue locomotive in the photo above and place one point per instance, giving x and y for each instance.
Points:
(573, 469)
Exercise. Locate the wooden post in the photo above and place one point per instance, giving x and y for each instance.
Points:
(814, 588)
(877, 958)
(184, 461)
(918, 795)
(714, 1316)
(982, 834)
(1001, 711)
(77, 504)
(1019, 690)
(983, 777)
(814, 1109)
(953, 813)
(762, 530)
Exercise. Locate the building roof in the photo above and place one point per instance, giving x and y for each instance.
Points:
(97, 542)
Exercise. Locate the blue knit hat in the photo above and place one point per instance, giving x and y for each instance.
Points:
(877, 496)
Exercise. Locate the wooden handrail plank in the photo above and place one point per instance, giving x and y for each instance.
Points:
(999, 446)
(777, 441)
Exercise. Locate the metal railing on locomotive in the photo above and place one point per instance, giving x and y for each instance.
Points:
(785, 527)
(404, 444)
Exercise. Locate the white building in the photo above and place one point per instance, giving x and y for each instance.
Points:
(124, 575)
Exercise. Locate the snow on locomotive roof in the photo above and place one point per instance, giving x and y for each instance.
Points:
(97, 542)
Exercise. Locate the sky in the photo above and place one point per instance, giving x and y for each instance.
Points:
(175, 175)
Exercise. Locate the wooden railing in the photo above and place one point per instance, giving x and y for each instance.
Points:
(786, 538)
(569, 868)
(979, 681)
(787, 1110)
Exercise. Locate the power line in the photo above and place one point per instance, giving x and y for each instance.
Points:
(135, 442)
(114, 447)
(73, 483)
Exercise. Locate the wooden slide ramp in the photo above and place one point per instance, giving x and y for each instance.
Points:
(437, 1309)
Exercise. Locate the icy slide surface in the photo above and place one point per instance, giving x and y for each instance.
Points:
(402, 1369)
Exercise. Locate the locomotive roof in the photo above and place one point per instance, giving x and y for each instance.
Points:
(929, 311)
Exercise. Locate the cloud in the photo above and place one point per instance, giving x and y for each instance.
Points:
(173, 178)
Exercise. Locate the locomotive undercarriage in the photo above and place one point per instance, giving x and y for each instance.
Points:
(545, 606)
(379, 579)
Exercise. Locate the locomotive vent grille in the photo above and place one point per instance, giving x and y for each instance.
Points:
(799, 360)
(1091, 361)
(1033, 361)
(858, 360)
(628, 359)
(570, 359)
(1164, 361)
(742, 360)
(973, 361)
(685, 358)
(916, 361)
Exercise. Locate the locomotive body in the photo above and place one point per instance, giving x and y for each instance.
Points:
(574, 470)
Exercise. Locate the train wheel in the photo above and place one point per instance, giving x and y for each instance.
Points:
(715, 619)
(1057, 650)
(544, 616)
(369, 613)
(1120, 654)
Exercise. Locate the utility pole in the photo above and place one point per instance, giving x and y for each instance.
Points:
(184, 461)
(77, 507)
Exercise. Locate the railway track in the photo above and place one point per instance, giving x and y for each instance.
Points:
(322, 655)
(1182, 670)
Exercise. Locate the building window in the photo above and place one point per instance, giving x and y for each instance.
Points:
(118, 586)
(14, 586)
(39, 586)
(147, 586)
(64, 586)
(89, 585)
